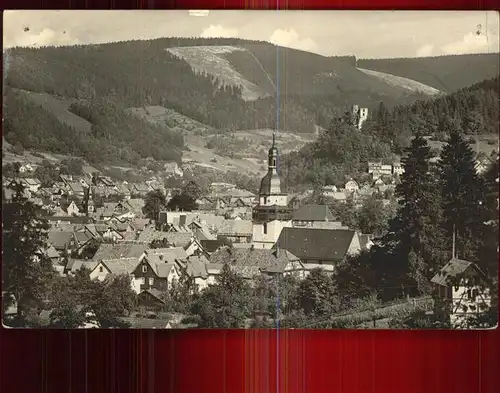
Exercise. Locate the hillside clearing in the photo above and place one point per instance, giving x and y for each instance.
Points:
(405, 83)
(209, 59)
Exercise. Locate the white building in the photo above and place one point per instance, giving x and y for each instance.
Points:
(360, 115)
(463, 290)
(272, 213)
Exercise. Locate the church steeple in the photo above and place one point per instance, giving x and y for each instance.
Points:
(273, 156)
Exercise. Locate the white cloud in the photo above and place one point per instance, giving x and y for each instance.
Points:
(290, 38)
(425, 50)
(219, 31)
(470, 43)
(45, 37)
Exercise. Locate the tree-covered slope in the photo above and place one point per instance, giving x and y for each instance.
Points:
(158, 72)
(445, 73)
(115, 136)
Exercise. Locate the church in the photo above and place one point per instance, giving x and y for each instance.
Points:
(272, 213)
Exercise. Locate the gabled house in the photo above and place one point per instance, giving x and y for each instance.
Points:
(319, 248)
(155, 271)
(307, 215)
(196, 269)
(140, 189)
(151, 299)
(26, 168)
(211, 246)
(32, 184)
(238, 231)
(116, 267)
(62, 241)
(205, 203)
(463, 290)
(71, 208)
(75, 188)
(351, 186)
(252, 262)
(116, 251)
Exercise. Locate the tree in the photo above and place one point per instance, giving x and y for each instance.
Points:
(78, 300)
(47, 173)
(155, 201)
(415, 238)
(182, 202)
(461, 190)
(317, 295)
(226, 304)
(18, 149)
(11, 169)
(27, 272)
(72, 166)
(192, 190)
(373, 217)
(488, 248)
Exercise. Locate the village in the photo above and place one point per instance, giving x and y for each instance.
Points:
(270, 234)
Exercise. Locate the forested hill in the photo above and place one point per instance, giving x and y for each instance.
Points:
(341, 150)
(80, 96)
(224, 83)
(445, 73)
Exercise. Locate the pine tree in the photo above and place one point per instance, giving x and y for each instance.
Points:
(26, 269)
(488, 250)
(461, 189)
(415, 239)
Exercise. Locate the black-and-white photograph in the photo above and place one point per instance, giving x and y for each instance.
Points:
(250, 169)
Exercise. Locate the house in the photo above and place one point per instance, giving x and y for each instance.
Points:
(238, 231)
(105, 181)
(205, 203)
(210, 246)
(307, 215)
(172, 168)
(252, 262)
(140, 189)
(62, 241)
(463, 290)
(32, 184)
(329, 191)
(201, 231)
(351, 186)
(397, 168)
(53, 254)
(150, 299)
(196, 269)
(294, 202)
(156, 271)
(135, 206)
(116, 267)
(71, 208)
(323, 248)
(26, 168)
(75, 188)
(116, 251)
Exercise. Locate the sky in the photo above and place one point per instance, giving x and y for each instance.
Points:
(365, 34)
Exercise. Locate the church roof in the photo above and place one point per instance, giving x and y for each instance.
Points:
(270, 184)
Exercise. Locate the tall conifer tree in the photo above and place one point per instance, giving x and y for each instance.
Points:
(415, 238)
(461, 190)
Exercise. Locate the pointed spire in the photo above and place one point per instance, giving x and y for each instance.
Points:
(274, 138)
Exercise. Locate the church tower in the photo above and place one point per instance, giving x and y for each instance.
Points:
(272, 213)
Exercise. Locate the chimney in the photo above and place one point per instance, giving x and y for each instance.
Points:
(182, 220)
